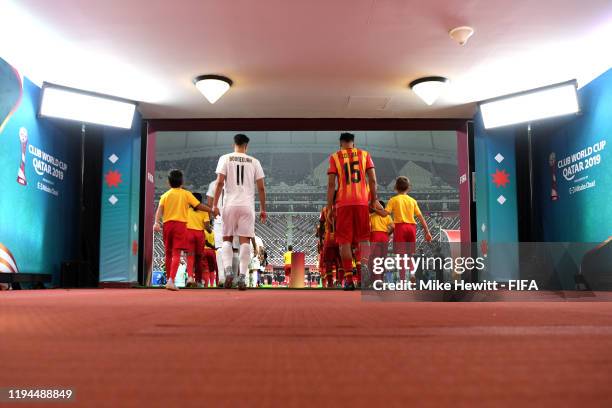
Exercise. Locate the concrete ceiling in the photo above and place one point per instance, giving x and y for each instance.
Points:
(311, 58)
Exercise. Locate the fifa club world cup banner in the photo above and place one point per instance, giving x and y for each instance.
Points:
(574, 170)
(38, 180)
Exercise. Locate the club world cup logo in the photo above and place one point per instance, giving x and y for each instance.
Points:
(7, 261)
(23, 138)
(552, 162)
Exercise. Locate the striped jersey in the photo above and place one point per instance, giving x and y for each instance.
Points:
(350, 166)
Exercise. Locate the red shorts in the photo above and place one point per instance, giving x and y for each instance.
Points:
(352, 224)
(287, 270)
(404, 238)
(379, 236)
(175, 233)
(210, 256)
(331, 254)
(195, 242)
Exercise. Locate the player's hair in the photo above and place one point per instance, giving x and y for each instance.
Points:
(402, 184)
(198, 196)
(241, 139)
(347, 137)
(382, 203)
(290, 248)
(175, 178)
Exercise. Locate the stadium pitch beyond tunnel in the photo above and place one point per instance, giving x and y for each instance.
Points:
(296, 165)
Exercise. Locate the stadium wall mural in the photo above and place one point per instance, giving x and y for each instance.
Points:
(296, 162)
(39, 180)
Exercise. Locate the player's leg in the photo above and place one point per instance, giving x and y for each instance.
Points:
(411, 247)
(357, 267)
(218, 229)
(227, 252)
(287, 269)
(346, 266)
(400, 245)
(201, 266)
(245, 230)
(329, 259)
(244, 256)
(344, 237)
(191, 255)
(167, 251)
(227, 255)
(361, 235)
(209, 257)
(176, 239)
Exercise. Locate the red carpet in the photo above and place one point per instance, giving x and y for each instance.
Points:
(199, 348)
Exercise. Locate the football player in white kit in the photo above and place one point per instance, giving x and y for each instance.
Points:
(237, 176)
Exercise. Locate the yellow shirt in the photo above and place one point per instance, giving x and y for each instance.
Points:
(176, 203)
(210, 238)
(196, 219)
(403, 209)
(287, 257)
(378, 223)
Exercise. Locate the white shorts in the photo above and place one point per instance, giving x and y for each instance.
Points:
(238, 221)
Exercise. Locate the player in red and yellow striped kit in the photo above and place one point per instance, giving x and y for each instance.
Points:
(352, 170)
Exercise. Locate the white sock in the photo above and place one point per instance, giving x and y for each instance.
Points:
(245, 257)
(227, 253)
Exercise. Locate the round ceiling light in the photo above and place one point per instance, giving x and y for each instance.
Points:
(430, 88)
(212, 86)
(461, 34)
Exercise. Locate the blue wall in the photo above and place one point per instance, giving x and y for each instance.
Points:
(37, 220)
(120, 207)
(496, 205)
(578, 215)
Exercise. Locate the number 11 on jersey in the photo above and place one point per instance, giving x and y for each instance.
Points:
(240, 174)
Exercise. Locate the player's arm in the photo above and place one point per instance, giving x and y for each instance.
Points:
(425, 227)
(331, 188)
(202, 207)
(261, 188)
(158, 216)
(371, 175)
(218, 190)
(209, 202)
(378, 209)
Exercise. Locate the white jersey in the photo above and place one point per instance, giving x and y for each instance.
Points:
(241, 172)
